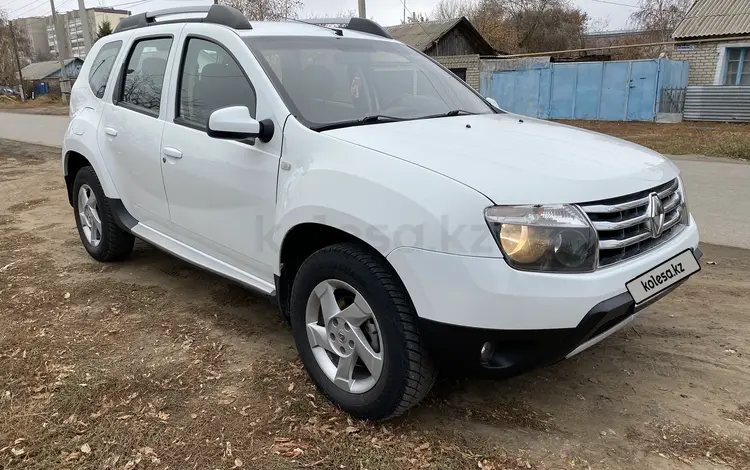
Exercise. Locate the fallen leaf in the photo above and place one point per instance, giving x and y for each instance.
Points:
(86, 449)
(351, 429)
(423, 447)
(237, 463)
(193, 415)
(73, 456)
(17, 452)
(67, 295)
(291, 387)
(18, 441)
(125, 417)
(163, 416)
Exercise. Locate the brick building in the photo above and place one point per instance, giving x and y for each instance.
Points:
(714, 38)
(455, 43)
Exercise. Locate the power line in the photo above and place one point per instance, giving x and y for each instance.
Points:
(615, 3)
(403, 2)
(26, 9)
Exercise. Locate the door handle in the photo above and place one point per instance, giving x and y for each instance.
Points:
(111, 132)
(172, 152)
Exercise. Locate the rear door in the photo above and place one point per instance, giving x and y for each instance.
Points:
(131, 128)
(222, 193)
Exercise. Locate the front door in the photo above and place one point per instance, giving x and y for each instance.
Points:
(130, 131)
(221, 193)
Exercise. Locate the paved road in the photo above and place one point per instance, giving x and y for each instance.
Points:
(718, 189)
(34, 128)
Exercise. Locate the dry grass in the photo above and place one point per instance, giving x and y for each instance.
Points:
(45, 104)
(691, 443)
(741, 414)
(686, 138)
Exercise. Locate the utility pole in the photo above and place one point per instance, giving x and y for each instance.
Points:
(404, 11)
(64, 83)
(87, 42)
(362, 9)
(18, 60)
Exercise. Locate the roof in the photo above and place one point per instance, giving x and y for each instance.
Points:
(715, 18)
(110, 10)
(40, 70)
(423, 35)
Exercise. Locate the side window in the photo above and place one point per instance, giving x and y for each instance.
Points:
(144, 75)
(210, 79)
(102, 67)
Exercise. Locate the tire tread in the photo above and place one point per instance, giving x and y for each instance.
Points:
(421, 371)
(119, 243)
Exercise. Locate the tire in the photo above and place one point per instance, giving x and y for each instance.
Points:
(112, 243)
(406, 372)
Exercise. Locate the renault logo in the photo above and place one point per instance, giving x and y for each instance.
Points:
(655, 211)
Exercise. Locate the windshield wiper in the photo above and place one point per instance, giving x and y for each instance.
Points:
(380, 118)
(373, 119)
(453, 112)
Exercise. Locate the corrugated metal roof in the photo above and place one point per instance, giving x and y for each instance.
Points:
(715, 18)
(422, 35)
(40, 70)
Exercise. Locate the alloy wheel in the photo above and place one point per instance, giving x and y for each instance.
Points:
(344, 336)
(91, 223)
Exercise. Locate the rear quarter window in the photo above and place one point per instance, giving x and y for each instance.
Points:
(101, 68)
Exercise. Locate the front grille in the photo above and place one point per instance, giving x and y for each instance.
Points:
(622, 222)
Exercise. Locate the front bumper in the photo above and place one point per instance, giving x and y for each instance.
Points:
(486, 293)
(516, 351)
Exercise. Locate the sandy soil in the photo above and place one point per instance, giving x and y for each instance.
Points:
(152, 363)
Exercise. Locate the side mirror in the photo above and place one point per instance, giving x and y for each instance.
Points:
(235, 123)
(492, 102)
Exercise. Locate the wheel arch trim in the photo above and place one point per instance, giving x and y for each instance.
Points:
(75, 147)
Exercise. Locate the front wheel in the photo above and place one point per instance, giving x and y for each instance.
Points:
(356, 331)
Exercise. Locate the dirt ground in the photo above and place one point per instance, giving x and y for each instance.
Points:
(716, 139)
(152, 363)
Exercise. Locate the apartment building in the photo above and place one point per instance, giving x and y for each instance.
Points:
(71, 42)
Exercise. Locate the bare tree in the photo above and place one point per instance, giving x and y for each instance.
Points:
(516, 26)
(8, 66)
(416, 18)
(660, 15)
(266, 10)
(449, 9)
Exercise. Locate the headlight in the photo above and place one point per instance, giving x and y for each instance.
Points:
(684, 212)
(549, 238)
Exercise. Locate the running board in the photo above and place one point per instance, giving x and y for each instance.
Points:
(202, 260)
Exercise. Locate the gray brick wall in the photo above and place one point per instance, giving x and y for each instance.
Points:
(703, 61)
(468, 62)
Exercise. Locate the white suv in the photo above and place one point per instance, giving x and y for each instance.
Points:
(400, 220)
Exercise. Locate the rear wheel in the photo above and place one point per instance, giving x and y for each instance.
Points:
(99, 233)
(356, 331)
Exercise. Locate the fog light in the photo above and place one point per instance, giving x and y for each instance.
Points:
(488, 349)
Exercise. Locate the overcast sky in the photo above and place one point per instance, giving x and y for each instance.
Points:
(387, 12)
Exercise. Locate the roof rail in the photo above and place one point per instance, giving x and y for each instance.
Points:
(217, 14)
(363, 25)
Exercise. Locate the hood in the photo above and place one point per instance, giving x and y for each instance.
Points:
(517, 160)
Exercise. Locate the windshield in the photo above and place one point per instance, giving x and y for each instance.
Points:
(335, 82)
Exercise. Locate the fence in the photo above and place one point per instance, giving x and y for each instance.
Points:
(672, 100)
(615, 91)
(717, 103)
